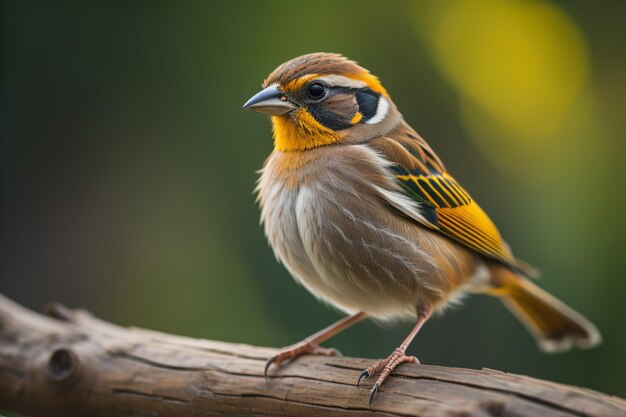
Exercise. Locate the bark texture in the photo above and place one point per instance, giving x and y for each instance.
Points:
(69, 363)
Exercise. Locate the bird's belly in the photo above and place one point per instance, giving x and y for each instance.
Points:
(346, 254)
(336, 237)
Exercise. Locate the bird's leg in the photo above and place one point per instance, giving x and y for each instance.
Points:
(386, 366)
(310, 345)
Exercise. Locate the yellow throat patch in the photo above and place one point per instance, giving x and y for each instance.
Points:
(301, 132)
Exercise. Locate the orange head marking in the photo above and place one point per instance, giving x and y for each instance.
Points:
(300, 131)
(294, 86)
(372, 81)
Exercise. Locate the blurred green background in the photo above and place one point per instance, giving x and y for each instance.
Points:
(128, 164)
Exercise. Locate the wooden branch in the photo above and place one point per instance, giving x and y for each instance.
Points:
(69, 363)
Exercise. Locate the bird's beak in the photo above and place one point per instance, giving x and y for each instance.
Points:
(270, 101)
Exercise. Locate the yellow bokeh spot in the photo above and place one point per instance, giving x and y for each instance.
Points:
(517, 64)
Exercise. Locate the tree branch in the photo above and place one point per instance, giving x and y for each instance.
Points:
(69, 363)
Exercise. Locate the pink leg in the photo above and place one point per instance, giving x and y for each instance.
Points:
(310, 345)
(386, 366)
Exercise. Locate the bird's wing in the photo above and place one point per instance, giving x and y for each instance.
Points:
(445, 206)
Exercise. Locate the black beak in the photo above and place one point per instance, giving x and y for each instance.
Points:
(270, 101)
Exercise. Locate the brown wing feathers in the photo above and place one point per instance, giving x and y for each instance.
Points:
(447, 207)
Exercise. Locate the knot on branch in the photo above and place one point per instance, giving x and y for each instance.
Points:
(63, 365)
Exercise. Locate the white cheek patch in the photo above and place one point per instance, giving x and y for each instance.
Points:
(381, 111)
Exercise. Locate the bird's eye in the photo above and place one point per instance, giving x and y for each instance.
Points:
(316, 91)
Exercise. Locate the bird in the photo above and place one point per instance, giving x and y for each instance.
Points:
(363, 213)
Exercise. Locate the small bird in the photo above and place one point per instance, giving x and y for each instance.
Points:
(364, 214)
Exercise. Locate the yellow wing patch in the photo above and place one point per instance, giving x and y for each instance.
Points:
(456, 214)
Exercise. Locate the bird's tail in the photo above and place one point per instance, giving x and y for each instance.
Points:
(556, 326)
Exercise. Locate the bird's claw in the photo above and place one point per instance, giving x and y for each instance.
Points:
(372, 394)
(336, 352)
(363, 374)
(385, 367)
(296, 350)
(268, 363)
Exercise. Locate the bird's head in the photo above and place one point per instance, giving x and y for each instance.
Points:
(322, 99)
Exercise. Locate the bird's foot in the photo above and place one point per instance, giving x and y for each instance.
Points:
(302, 348)
(385, 367)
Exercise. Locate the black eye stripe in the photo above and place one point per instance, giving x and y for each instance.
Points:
(335, 89)
(366, 100)
(328, 118)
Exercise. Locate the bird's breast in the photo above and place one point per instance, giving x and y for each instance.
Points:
(326, 222)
